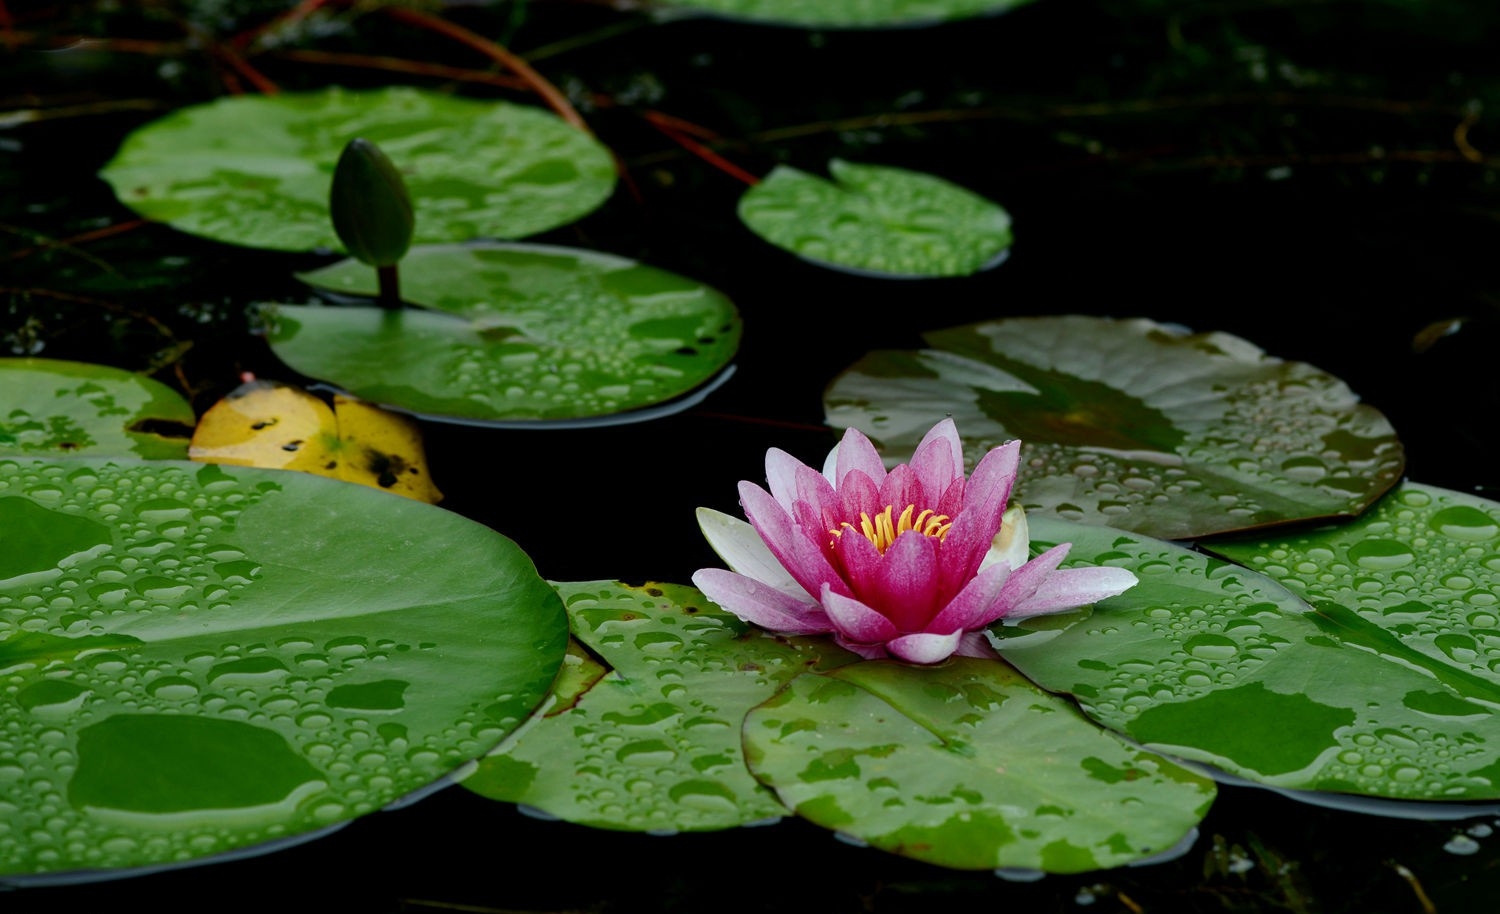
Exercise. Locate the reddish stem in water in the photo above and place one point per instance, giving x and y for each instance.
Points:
(666, 124)
(549, 93)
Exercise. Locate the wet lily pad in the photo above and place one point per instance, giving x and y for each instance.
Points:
(58, 408)
(968, 765)
(1381, 687)
(1134, 424)
(654, 745)
(832, 14)
(256, 170)
(878, 221)
(199, 659)
(520, 333)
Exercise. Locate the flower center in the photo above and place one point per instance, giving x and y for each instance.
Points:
(882, 529)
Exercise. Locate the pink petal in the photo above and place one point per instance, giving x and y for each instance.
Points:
(938, 459)
(1071, 588)
(781, 476)
(855, 621)
(975, 606)
(951, 500)
(761, 604)
(855, 452)
(859, 560)
(858, 494)
(904, 587)
(923, 647)
(1025, 581)
(802, 557)
(901, 488)
(975, 644)
(821, 498)
(975, 526)
(867, 651)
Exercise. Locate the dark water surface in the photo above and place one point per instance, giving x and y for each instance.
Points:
(1317, 177)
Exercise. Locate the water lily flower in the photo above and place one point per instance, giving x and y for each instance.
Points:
(912, 563)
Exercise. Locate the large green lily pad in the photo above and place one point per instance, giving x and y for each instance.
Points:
(520, 333)
(878, 220)
(1133, 424)
(969, 766)
(1382, 687)
(199, 658)
(844, 13)
(256, 170)
(654, 745)
(58, 408)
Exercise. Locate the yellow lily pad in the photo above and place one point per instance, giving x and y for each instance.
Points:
(277, 425)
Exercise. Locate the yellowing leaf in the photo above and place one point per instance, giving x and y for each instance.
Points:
(279, 426)
(383, 449)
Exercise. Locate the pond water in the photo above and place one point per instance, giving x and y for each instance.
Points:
(1315, 177)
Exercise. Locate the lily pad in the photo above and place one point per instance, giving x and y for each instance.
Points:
(1134, 424)
(834, 14)
(199, 659)
(1380, 688)
(878, 221)
(521, 333)
(967, 765)
(58, 408)
(256, 170)
(655, 744)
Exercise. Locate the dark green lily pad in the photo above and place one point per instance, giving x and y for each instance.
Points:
(1133, 424)
(878, 221)
(833, 14)
(521, 333)
(256, 170)
(1380, 688)
(655, 744)
(967, 765)
(200, 659)
(55, 408)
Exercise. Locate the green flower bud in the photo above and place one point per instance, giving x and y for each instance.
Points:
(369, 204)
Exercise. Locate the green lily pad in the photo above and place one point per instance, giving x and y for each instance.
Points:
(878, 221)
(655, 744)
(521, 333)
(57, 408)
(832, 14)
(256, 170)
(1380, 688)
(967, 765)
(1133, 424)
(199, 659)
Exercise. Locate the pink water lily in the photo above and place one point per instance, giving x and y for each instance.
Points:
(913, 562)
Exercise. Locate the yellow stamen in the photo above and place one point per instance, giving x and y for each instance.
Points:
(881, 530)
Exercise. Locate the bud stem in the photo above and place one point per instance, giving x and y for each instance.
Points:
(390, 286)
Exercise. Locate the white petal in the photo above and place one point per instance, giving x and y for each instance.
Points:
(745, 552)
(1012, 544)
(924, 648)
